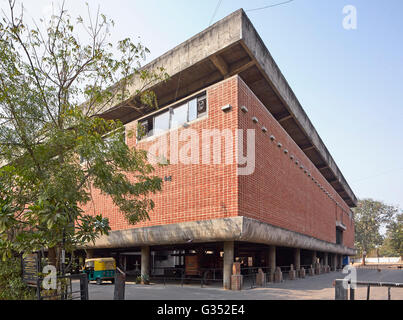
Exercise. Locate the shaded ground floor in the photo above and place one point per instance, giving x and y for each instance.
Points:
(228, 251)
(214, 262)
(318, 288)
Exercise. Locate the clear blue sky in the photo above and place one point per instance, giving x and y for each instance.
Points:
(350, 83)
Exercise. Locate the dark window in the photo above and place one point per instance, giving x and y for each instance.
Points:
(145, 129)
(201, 106)
(339, 236)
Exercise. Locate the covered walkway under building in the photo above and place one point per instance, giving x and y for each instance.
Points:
(212, 263)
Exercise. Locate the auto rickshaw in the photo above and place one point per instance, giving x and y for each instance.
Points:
(99, 269)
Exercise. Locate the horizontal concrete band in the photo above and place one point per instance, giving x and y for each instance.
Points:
(225, 229)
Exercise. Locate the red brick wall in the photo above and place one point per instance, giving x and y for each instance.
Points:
(196, 192)
(279, 192)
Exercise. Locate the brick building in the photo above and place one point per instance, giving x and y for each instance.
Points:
(249, 178)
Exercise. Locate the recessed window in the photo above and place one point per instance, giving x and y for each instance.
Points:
(174, 117)
(146, 128)
(161, 122)
(339, 236)
(192, 109)
(179, 116)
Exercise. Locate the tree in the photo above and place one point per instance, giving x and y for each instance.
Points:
(53, 89)
(393, 244)
(369, 217)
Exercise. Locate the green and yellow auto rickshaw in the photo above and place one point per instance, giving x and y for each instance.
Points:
(100, 269)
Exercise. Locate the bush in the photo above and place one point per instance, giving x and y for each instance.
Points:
(11, 285)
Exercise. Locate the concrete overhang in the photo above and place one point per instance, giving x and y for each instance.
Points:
(233, 47)
(217, 230)
(341, 226)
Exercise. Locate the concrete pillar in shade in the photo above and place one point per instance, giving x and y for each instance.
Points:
(314, 258)
(272, 259)
(297, 259)
(145, 262)
(326, 259)
(334, 262)
(227, 265)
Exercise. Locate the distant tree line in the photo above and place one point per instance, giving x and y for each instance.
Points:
(372, 218)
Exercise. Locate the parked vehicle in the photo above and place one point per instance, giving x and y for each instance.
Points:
(100, 269)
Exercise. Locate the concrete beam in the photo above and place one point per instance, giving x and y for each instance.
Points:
(285, 118)
(220, 64)
(238, 69)
(217, 230)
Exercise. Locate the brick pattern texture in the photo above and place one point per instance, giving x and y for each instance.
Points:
(278, 192)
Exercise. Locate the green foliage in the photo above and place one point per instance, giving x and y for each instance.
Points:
(393, 244)
(11, 285)
(369, 217)
(53, 90)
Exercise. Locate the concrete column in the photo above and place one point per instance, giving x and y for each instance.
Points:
(145, 262)
(272, 259)
(341, 261)
(326, 262)
(314, 258)
(297, 259)
(334, 262)
(227, 265)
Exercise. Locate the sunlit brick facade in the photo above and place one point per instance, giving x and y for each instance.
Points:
(293, 207)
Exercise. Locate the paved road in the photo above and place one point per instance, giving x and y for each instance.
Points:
(318, 288)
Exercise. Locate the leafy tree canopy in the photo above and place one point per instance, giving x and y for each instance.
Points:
(393, 243)
(370, 216)
(54, 85)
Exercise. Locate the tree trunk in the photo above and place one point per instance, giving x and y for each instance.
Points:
(54, 257)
